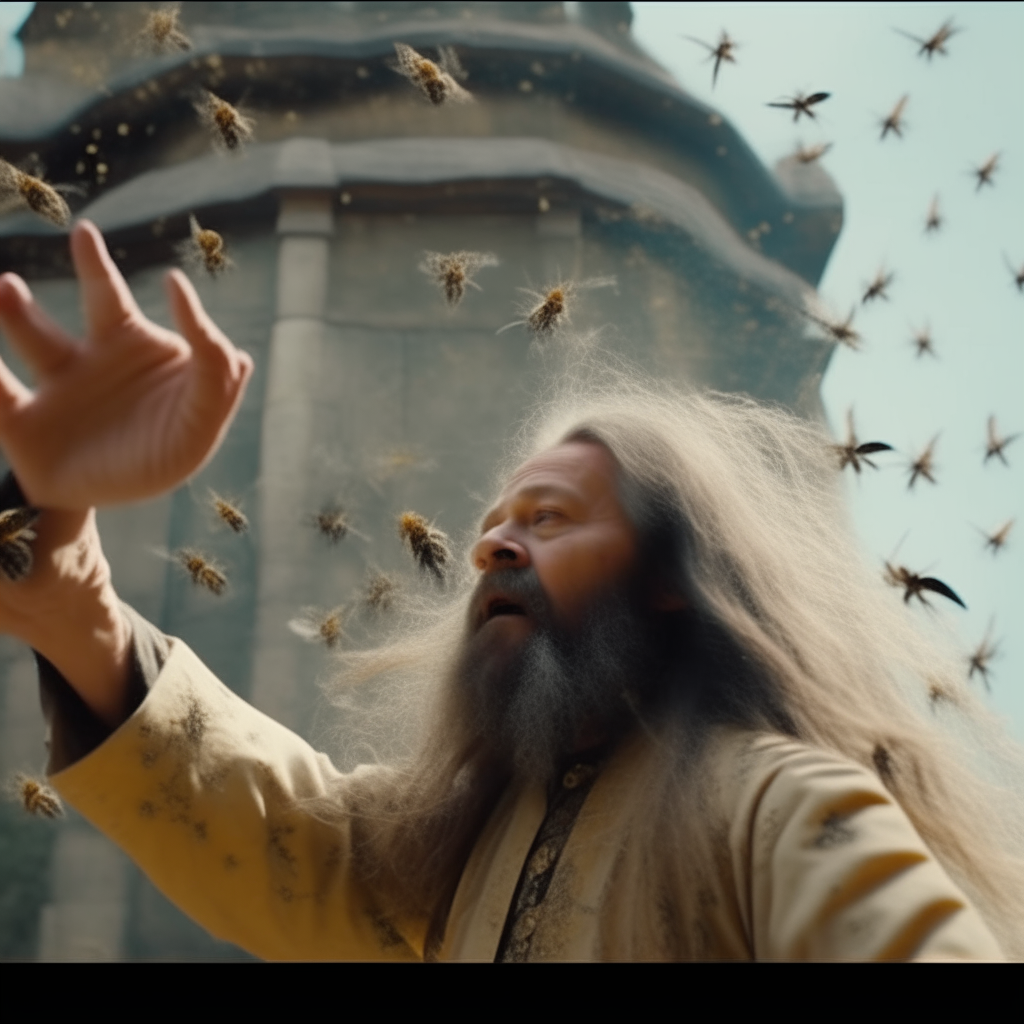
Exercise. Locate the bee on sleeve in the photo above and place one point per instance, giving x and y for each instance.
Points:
(453, 271)
(853, 453)
(18, 188)
(203, 248)
(381, 592)
(429, 546)
(438, 82)
(318, 626)
(161, 33)
(229, 128)
(202, 570)
(914, 585)
(547, 311)
(15, 533)
(229, 514)
(37, 798)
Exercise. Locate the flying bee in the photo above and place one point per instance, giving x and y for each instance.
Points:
(228, 127)
(319, 626)
(840, 331)
(547, 311)
(978, 660)
(934, 219)
(723, 51)
(438, 82)
(19, 188)
(877, 288)
(381, 591)
(935, 43)
(1017, 272)
(429, 546)
(893, 121)
(453, 271)
(161, 33)
(234, 517)
(15, 533)
(914, 585)
(923, 465)
(995, 445)
(203, 248)
(37, 798)
(922, 342)
(997, 538)
(203, 572)
(852, 453)
(331, 522)
(985, 171)
(801, 104)
(809, 154)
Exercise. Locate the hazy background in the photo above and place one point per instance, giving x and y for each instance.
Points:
(962, 108)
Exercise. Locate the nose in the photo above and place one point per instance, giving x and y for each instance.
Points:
(497, 550)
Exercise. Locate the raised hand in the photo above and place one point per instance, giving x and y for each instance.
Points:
(126, 413)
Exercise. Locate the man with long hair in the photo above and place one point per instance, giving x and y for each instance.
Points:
(665, 712)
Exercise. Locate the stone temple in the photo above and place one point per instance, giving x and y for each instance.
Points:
(580, 157)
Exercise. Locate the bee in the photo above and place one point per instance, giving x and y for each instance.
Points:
(801, 104)
(229, 127)
(934, 219)
(882, 760)
(808, 154)
(986, 170)
(228, 513)
(438, 82)
(381, 591)
(852, 453)
(935, 43)
(319, 626)
(914, 585)
(1017, 272)
(877, 288)
(550, 310)
(161, 34)
(997, 538)
(203, 248)
(331, 522)
(978, 660)
(453, 271)
(429, 546)
(37, 798)
(923, 465)
(19, 188)
(203, 572)
(995, 445)
(723, 51)
(893, 121)
(922, 341)
(839, 330)
(15, 533)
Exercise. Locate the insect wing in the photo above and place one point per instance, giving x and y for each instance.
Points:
(870, 447)
(938, 587)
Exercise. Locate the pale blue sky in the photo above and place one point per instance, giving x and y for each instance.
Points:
(962, 108)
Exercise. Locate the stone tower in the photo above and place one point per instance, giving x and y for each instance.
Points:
(579, 157)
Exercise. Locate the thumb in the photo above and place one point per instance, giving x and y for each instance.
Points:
(13, 396)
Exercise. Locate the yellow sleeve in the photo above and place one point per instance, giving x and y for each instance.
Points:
(205, 794)
(838, 872)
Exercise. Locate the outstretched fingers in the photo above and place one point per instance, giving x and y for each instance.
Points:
(40, 341)
(106, 296)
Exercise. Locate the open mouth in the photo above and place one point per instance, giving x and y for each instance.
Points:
(502, 606)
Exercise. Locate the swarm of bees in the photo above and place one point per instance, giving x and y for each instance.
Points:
(853, 453)
(914, 585)
(203, 248)
(37, 798)
(15, 533)
(161, 33)
(203, 572)
(318, 626)
(429, 546)
(19, 188)
(229, 514)
(453, 271)
(229, 128)
(438, 82)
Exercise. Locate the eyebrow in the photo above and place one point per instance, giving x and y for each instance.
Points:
(536, 491)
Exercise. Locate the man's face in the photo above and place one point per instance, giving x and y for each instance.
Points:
(560, 515)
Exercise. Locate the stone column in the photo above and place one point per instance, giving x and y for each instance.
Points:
(305, 224)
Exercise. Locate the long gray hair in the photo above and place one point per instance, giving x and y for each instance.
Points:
(739, 508)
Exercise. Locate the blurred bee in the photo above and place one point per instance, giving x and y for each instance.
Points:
(19, 188)
(203, 248)
(161, 33)
(995, 445)
(453, 271)
(893, 121)
(319, 626)
(429, 546)
(723, 51)
(852, 453)
(203, 572)
(15, 533)
(914, 585)
(978, 660)
(550, 310)
(1017, 272)
(922, 342)
(438, 82)
(331, 523)
(935, 43)
(37, 798)
(801, 104)
(229, 128)
(381, 591)
(986, 170)
(229, 514)
(877, 288)
(997, 539)
(840, 331)
(934, 219)
(923, 465)
(809, 154)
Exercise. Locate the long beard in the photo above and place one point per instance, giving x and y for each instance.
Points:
(532, 703)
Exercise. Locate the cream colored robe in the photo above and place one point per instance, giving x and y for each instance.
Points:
(813, 858)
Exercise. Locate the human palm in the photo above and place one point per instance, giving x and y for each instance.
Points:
(130, 411)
